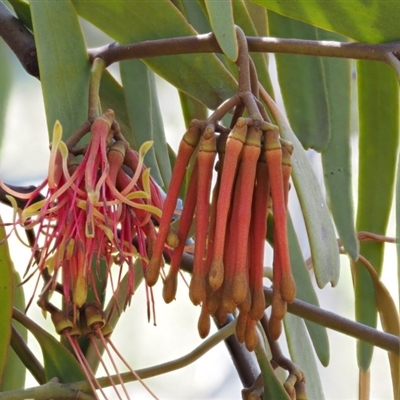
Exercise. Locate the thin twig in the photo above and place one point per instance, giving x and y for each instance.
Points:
(50, 390)
(75, 390)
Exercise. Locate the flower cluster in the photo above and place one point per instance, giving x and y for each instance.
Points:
(100, 204)
(99, 208)
(253, 170)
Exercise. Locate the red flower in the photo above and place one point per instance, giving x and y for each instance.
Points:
(92, 211)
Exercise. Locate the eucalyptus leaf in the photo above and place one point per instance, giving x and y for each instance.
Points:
(305, 291)
(196, 15)
(63, 63)
(337, 157)
(223, 26)
(23, 11)
(144, 113)
(365, 21)
(58, 361)
(378, 110)
(202, 76)
(258, 16)
(15, 371)
(390, 321)
(273, 388)
(301, 353)
(6, 300)
(302, 80)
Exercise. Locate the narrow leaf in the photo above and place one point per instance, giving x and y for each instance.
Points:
(306, 292)
(358, 19)
(58, 361)
(196, 14)
(378, 147)
(301, 353)
(389, 317)
(223, 26)
(15, 371)
(304, 92)
(273, 388)
(63, 63)
(336, 159)
(258, 16)
(145, 116)
(6, 300)
(202, 76)
(320, 230)
(398, 233)
(23, 11)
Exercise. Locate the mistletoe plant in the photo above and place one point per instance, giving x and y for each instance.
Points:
(118, 205)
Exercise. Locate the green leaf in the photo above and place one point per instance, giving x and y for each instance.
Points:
(301, 353)
(15, 371)
(179, 5)
(304, 92)
(398, 233)
(58, 361)
(5, 86)
(196, 14)
(273, 388)
(306, 292)
(258, 17)
(23, 11)
(336, 159)
(378, 107)
(223, 26)
(202, 76)
(6, 300)
(358, 19)
(144, 113)
(112, 96)
(320, 230)
(63, 63)
(389, 317)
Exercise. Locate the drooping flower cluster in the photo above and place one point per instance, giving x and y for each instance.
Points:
(253, 170)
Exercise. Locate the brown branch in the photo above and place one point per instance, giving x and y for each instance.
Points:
(19, 39)
(333, 321)
(326, 318)
(207, 44)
